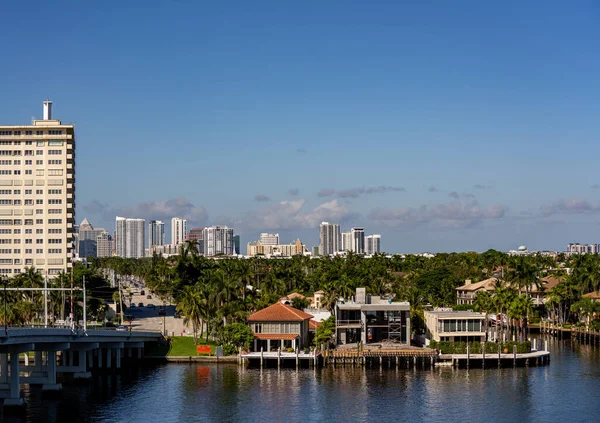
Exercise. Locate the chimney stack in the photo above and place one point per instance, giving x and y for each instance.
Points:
(468, 282)
(47, 110)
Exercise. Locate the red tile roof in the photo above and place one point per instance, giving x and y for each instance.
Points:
(276, 336)
(593, 295)
(313, 324)
(279, 313)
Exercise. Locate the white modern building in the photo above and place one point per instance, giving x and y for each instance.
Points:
(329, 238)
(358, 240)
(582, 248)
(373, 244)
(178, 230)
(218, 240)
(346, 241)
(130, 237)
(37, 196)
(269, 239)
(156, 233)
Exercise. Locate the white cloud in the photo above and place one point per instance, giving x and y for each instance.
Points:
(453, 215)
(292, 214)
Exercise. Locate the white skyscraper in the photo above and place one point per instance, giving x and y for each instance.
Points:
(178, 230)
(130, 237)
(156, 233)
(373, 244)
(346, 241)
(330, 238)
(358, 240)
(269, 239)
(218, 240)
(37, 199)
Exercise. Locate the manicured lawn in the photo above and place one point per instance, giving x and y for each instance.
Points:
(178, 346)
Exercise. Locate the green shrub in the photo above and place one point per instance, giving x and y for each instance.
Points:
(229, 349)
(446, 347)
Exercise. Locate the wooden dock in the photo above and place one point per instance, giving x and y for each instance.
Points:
(534, 358)
(279, 357)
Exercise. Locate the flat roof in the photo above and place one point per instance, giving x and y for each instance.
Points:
(456, 314)
(383, 306)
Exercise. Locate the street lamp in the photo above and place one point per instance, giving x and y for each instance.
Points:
(5, 282)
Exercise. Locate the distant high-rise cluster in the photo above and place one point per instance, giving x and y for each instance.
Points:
(269, 246)
(583, 248)
(92, 242)
(331, 241)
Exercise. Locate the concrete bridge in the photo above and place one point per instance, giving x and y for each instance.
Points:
(61, 351)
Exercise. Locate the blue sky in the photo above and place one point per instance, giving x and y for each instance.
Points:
(444, 126)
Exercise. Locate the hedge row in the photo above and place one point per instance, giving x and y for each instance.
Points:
(446, 347)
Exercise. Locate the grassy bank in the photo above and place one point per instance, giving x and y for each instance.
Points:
(178, 346)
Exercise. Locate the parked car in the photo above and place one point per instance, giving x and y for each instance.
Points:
(162, 312)
(110, 325)
(149, 297)
(122, 328)
(150, 305)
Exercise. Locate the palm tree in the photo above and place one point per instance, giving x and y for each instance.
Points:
(191, 305)
(484, 303)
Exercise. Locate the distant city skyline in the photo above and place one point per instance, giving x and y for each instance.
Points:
(442, 128)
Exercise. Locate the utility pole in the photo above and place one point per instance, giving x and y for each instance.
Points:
(5, 282)
(84, 306)
(62, 304)
(120, 299)
(72, 305)
(46, 301)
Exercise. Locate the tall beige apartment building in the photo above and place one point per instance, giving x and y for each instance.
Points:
(37, 196)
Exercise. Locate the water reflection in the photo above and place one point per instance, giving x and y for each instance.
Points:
(565, 390)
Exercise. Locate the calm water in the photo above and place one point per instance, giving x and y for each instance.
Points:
(566, 390)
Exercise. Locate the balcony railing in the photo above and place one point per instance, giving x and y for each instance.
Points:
(341, 323)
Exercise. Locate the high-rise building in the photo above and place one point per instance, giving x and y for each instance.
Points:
(236, 244)
(178, 230)
(156, 233)
(582, 248)
(218, 240)
(330, 239)
(88, 239)
(195, 234)
(269, 239)
(130, 237)
(346, 241)
(104, 245)
(358, 240)
(37, 196)
(373, 244)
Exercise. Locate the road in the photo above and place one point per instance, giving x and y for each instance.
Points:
(147, 318)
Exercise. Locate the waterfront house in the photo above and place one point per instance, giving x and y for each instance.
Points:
(455, 326)
(371, 318)
(279, 325)
(467, 293)
(289, 299)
